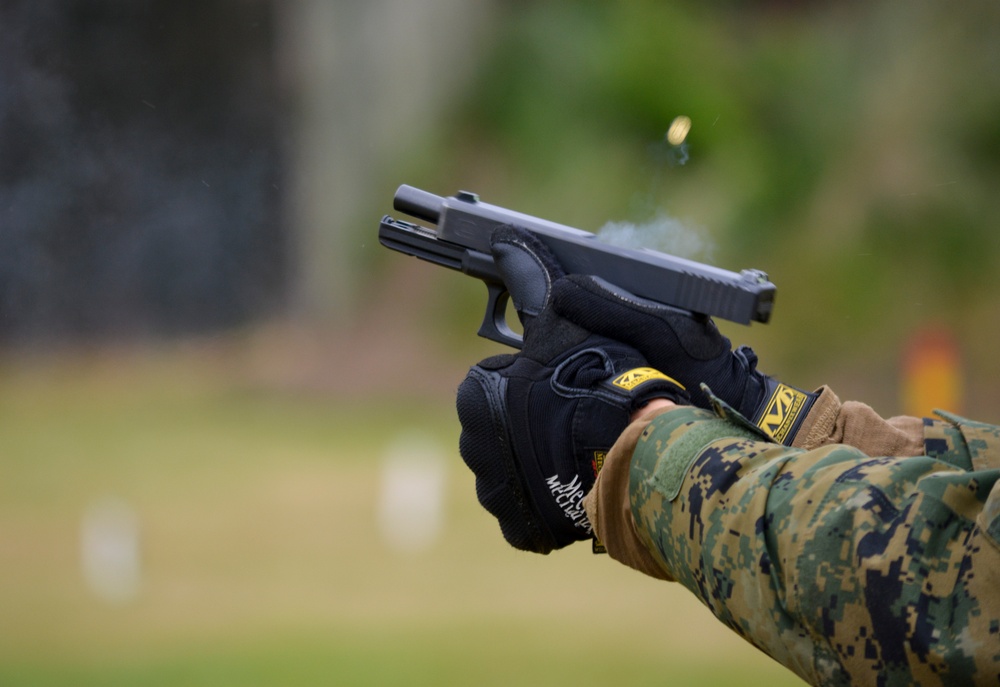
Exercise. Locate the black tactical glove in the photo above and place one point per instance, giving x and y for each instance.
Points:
(689, 349)
(536, 425)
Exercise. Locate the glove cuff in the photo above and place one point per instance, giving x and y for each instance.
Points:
(781, 410)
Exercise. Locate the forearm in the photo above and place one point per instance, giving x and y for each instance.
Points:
(632, 503)
(829, 422)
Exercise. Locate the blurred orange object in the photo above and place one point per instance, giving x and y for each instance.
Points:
(932, 373)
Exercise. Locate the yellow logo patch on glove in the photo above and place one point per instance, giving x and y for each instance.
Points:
(783, 410)
(640, 375)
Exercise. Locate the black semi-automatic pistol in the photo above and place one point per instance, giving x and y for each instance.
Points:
(460, 240)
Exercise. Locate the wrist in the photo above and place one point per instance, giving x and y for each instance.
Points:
(655, 405)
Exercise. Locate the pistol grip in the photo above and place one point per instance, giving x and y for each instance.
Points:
(494, 326)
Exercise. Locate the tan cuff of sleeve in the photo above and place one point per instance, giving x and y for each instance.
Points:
(609, 508)
(858, 425)
(819, 424)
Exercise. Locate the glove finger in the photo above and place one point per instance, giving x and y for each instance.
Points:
(655, 330)
(528, 269)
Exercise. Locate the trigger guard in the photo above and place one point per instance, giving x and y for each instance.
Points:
(494, 326)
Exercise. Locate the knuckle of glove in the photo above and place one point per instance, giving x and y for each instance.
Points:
(486, 446)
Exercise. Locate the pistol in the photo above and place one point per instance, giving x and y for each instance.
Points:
(459, 239)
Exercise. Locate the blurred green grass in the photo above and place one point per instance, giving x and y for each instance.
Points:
(262, 560)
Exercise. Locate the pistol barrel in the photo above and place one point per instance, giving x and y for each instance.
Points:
(418, 203)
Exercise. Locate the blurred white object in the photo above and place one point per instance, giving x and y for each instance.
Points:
(411, 498)
(109, 550)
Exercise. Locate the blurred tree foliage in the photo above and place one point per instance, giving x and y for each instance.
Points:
(852, 150)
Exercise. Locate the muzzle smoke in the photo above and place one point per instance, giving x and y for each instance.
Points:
(661, 233)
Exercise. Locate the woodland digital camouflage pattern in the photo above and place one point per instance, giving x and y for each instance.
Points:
(848, 569)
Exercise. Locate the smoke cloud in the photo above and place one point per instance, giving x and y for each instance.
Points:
(661, 233)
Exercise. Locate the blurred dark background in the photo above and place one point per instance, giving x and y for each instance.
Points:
(141, 169)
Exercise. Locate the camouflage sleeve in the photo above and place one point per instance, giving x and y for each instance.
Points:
(847, 569)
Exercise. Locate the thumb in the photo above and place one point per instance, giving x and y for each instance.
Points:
(528, 269)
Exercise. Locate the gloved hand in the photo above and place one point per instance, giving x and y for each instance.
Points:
(536, 424)
(690, 350)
